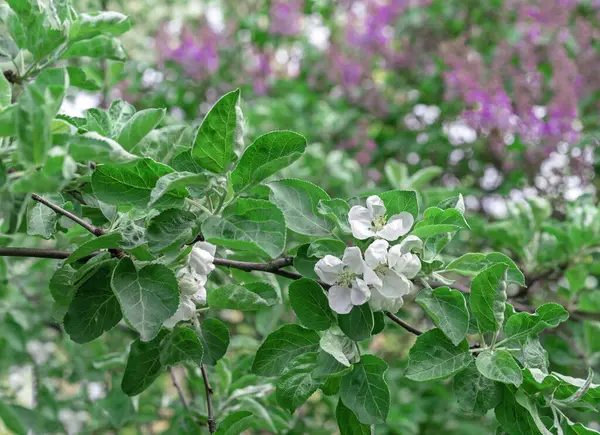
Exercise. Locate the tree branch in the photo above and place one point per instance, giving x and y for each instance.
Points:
(91, 228)
(212, 426)
(403, 324)
(178, 388)
(34, 252)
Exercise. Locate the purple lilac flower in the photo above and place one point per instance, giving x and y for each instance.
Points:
(286, 17)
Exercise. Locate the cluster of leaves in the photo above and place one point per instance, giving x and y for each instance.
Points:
(128, 197)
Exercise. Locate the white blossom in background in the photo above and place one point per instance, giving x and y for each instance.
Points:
(40, 352)
(394, 268)
(72, 421)
(370, 221)
(96, 391)
(192, 279)
(345, 276)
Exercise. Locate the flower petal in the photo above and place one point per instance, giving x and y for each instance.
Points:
(376, 206)
(394, 285)
(329, 268)
(360, 292)
(201, 260)
(361, 220)
(208, 247)
(353, 260)
(339, 299)
(376, 253)
(408, 265)
(371, 277)
(410, 243)
(398, 225)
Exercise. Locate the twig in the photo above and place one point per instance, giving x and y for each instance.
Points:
(212, 426)
(34, 252)
(403, 324)
(91, 228)
(179, 389)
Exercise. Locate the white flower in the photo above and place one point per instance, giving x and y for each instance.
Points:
(393, 268)
(202, 257)
(186, 311)
(347, 287)
(370, 221)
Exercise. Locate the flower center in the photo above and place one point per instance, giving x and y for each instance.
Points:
(382, 269)
(378, 223)
(346, 277)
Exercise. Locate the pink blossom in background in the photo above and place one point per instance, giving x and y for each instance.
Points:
(286, 17)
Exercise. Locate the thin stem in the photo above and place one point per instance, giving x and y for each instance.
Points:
(178, 388)
(425, 283)
(403, 324)
(197, 204)
(91, 228)
(212, 426)
(34, 253)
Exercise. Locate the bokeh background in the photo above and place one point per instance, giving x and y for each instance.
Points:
(494, 99)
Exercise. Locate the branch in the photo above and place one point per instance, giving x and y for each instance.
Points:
(403, 324)
(91, 228)
(212, 426)
(34, 252)
(179, 389)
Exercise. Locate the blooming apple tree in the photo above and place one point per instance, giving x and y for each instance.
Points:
(155, 232)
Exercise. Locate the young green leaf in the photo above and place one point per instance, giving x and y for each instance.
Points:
(310, 304)
(475, 393)
(296, 384)
(526, 402)
(5, 92)
(181, 345)
(437, 221)
(138, 126)
(340, 347)
(513, 418)
(42, 220)
(244, 297)
(171, 228)
(499, 365)
(143, 365)
(147, 297)
(213, 144)
(106, 241)
(214, 336)
(434, 357)
(347, 422)
(365, 391)
(337, 210)
(253, 225)
(488, 297)
(177, 181)
(92, 146)
(235, 423)
(103, 47)
(397, 201)
(87, 26)
(281, 347)
(94, 308)
(267, 155)
(448, 310)
(298, 201)
(357, 324)
(522, 325)
(322, 247)
(472, 263)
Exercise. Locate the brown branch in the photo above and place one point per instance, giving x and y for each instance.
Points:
(34, 252)
(212, 426)
(91, 228)
(403, 324)
(178, 388)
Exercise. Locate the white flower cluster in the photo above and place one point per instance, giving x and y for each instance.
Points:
(383, 277)
(192, 279)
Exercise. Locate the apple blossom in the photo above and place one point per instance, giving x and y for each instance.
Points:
(370, 221)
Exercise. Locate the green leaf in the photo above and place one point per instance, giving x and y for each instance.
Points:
(365, 391)
(298, 201)
(213, 144)
(215, 340)
(471, 264)
(281, 347)
(94, 308)
(119, 113)
(348, 423)
(322, 247)
(36, 107)
(244, 297)
(310, 304)
(337, 210)
(12, 420)
(448, 310)
(434, 357)
(488, 297)
(132, 184)
(8, 117)
(358, 323)
(235, 424)
(143, 365)
(296, 384)
(397, 201)
(327, 367)
(513, 418)
(170, 229)
(527, 403)
(5, 92)
(177, 181)
(437, 221)
(87, 26)
(252, 225)
(267, 155)
(8, 48)
(522, 325)
(42, 220)
(92, 146)
(475, 393)
(340, 347)
(396, 173)
(304, 264)
(138, 126)
(147, 297)
(106, 241)
(499, 365)
(165, 143)
(181, 345)
(103, 47)
(79, 79)
(423, 176)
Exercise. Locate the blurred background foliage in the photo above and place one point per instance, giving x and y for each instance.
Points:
(494, 99)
